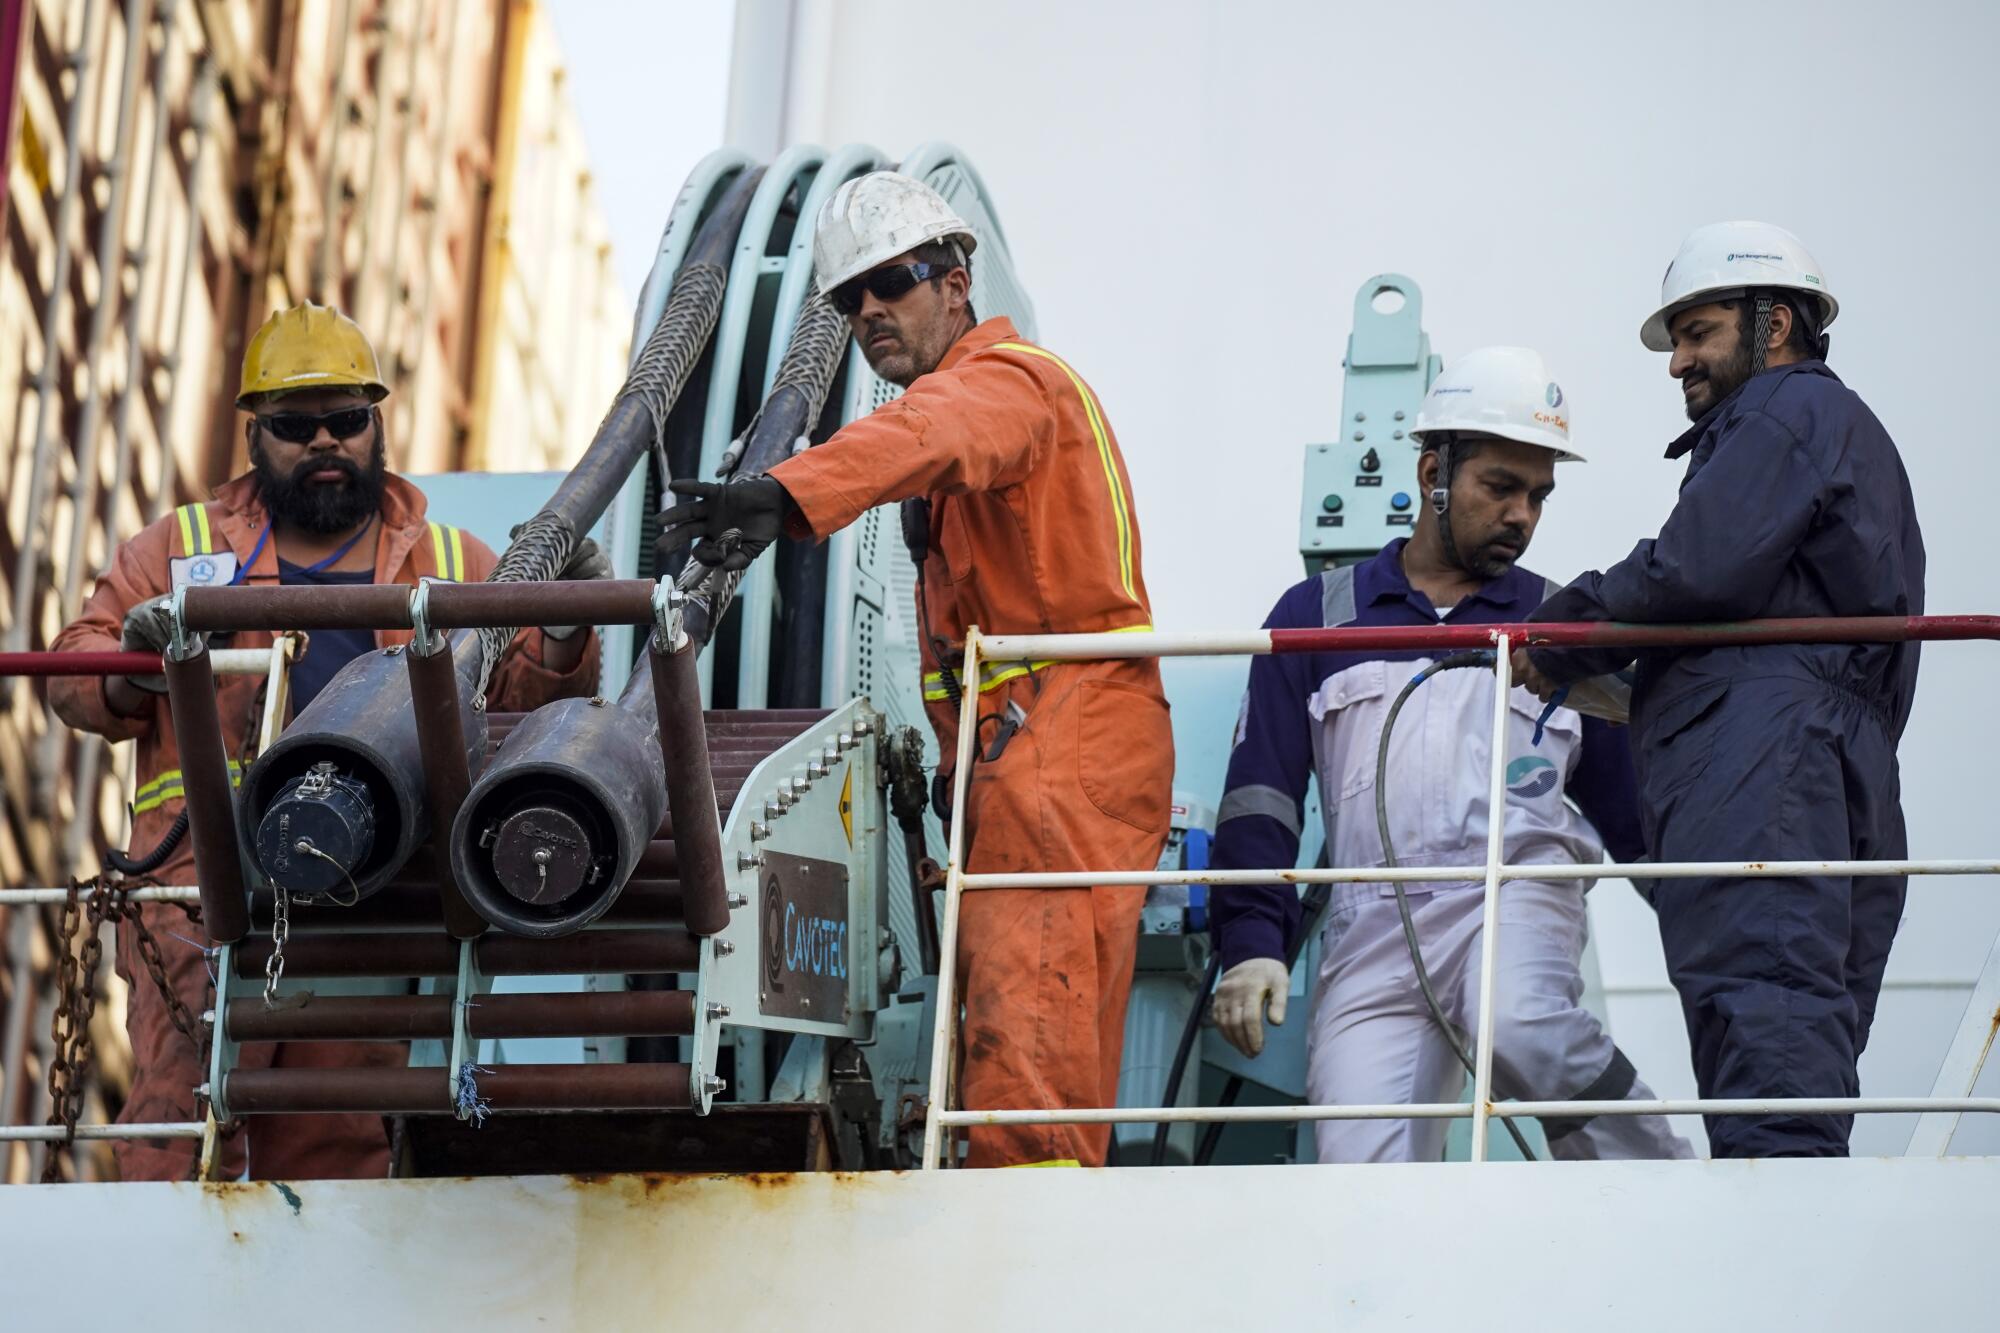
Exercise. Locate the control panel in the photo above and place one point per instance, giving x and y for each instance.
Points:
(1360, 490)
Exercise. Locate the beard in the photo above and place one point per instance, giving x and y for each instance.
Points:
(895, 363)
(1494, 554)
(1721, 381)
(322, 507)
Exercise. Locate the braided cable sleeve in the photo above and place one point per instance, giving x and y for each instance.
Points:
(798, 393)
(545, 543)
(541, 547)
(709, 593)
(675, 344)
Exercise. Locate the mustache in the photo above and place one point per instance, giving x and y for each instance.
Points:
(328, 463)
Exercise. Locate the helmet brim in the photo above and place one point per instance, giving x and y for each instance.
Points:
(1654, 333)
(1548, 440)
(373, 390)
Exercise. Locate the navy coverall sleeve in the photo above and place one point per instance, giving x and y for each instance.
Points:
(1263, 801)
(1606, 788)
(1739, 519)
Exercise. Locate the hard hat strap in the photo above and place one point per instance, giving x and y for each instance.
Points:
(1762, 334)
(1440, 496)
(1440, 500)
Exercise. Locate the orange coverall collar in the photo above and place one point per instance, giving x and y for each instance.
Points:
(978, 338)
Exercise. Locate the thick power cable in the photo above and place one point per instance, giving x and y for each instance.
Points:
(782, 425)
(638, 416)
(1477, 657)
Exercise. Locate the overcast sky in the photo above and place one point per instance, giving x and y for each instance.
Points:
(1193, 192)
(651, 81)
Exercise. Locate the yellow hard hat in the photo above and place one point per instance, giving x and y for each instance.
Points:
(309, 347)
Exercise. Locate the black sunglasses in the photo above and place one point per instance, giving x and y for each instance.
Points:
(303, 428)
(887, 284)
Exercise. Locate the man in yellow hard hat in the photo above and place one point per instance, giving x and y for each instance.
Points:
(318, 505)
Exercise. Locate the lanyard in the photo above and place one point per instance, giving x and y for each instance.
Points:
(334, 559)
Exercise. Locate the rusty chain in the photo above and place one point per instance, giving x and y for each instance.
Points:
(62, 1034)
(76, 1004)
(76, 981)
(182, 1017)
(76, 997)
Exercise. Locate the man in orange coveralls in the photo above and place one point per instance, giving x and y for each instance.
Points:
(1031, 531)
(318, 506)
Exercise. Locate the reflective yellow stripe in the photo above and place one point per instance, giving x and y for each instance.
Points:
(168, 787)
(991, 675)
(1120, 506)
(173, 775)
(448, 552)
(195, 536)
(1054, 1161)
(999, 673)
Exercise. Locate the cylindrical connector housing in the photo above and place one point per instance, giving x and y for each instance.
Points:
(364, 724)
(554, 828)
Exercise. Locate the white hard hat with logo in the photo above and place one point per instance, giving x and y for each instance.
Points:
(1503, 391)
(1724, 260)
(872, 219)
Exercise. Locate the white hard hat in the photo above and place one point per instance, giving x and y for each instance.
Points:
(874, 218)
(1503, 391)
(1726, 259)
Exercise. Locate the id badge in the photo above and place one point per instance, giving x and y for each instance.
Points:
(203, 571)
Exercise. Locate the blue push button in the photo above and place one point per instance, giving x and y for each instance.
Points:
(1400, 500)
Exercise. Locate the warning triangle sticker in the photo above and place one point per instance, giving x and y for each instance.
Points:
(847, 806)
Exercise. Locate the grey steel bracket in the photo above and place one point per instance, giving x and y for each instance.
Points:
(669, 617)
(222, 1050)
(425, 640)
(183, 644)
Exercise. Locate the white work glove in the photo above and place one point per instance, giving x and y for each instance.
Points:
(1606, 697)
(1240, 998)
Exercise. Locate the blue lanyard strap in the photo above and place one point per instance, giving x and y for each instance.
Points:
(243, 572)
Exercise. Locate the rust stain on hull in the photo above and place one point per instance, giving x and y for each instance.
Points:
(654, 1189)
(252, 1193)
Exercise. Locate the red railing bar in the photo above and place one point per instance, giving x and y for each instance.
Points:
(1611, 633)
(79, 664)
(1599, 634)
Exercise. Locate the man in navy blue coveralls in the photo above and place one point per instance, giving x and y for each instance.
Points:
(1795, 503)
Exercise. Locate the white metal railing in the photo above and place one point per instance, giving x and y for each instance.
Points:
(1940, 1112)
(274, 662)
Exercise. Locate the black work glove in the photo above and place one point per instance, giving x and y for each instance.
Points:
(733, 521)
(146, 631)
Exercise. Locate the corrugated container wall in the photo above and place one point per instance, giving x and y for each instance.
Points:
(415, 162)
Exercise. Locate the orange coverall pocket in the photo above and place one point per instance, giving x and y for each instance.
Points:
(954, 543)
(1124, 753)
